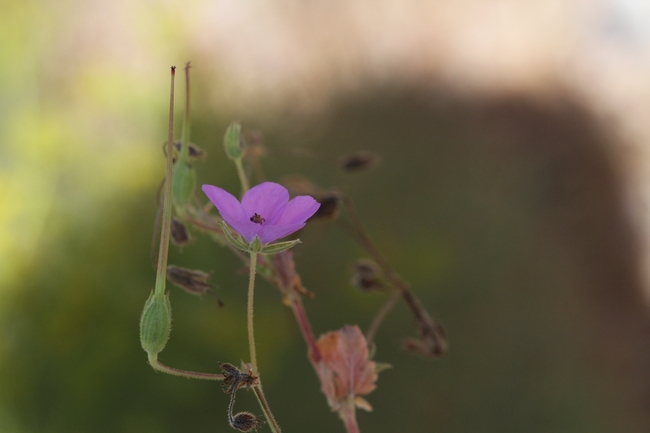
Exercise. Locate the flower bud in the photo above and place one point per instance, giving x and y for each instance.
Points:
(155, 323)
(182, 185)
(231, 141)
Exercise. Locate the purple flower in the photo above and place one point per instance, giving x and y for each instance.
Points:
(265, 211)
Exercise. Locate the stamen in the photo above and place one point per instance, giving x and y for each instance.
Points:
(257, 219)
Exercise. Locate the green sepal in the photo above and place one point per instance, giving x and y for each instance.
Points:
(236, 242)
(231, 141)
(184, 180)
(155, 323)
(372, 350)
(278, 247)
(255, 246)
(381, 366)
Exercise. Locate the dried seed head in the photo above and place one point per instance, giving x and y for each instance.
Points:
(181, 235)
(235, 379)
(192, 281)
(367, 276)
(330, 201)
(432, 341)
(330, 205)
(245, 421)
(359, 161)
(231, 377)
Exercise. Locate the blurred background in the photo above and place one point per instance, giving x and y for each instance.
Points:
(512, 194)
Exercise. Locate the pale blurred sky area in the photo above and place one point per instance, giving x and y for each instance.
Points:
(83, 82)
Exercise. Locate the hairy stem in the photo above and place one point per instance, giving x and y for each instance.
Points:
(187, 125)
(305, 327)
(349, 417)
(161, 270)
(157, 365)
(259, 393)
(380, 316)
(242, 176)
(251, 333)
(264, 404)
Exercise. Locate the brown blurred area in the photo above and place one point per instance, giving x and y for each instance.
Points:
(546, 99)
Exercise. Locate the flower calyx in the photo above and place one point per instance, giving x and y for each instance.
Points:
(255, 246)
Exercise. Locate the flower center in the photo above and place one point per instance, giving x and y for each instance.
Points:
(257, 219)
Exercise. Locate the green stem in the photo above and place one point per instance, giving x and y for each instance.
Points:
(187, 126)
(251, 290)
(242, 175)
(261, 398)
(157, 365)
(259, 393)
(161, 270)
(348, 415)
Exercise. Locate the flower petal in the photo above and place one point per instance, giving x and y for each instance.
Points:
(228, 206)
(231, 211)
(298, 210)
(266, 199)
(270, 233)
(246, 228)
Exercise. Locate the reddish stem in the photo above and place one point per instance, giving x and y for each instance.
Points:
(305, 327)
(348, 415)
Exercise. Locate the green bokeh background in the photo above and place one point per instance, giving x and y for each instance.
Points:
(488, 207)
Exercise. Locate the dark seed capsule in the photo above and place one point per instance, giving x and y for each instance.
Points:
(192, 281)
(234, 378)
(194, 151)
(359, 161)
(367, 276)
(330, 201)
(231, 377)
(330, 205)
(181, 235)
(432, 342)
(245, 421)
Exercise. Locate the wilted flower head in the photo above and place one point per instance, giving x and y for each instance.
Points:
(345, 371)
(265, 211)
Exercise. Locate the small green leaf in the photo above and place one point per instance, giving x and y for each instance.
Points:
(381, 366)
